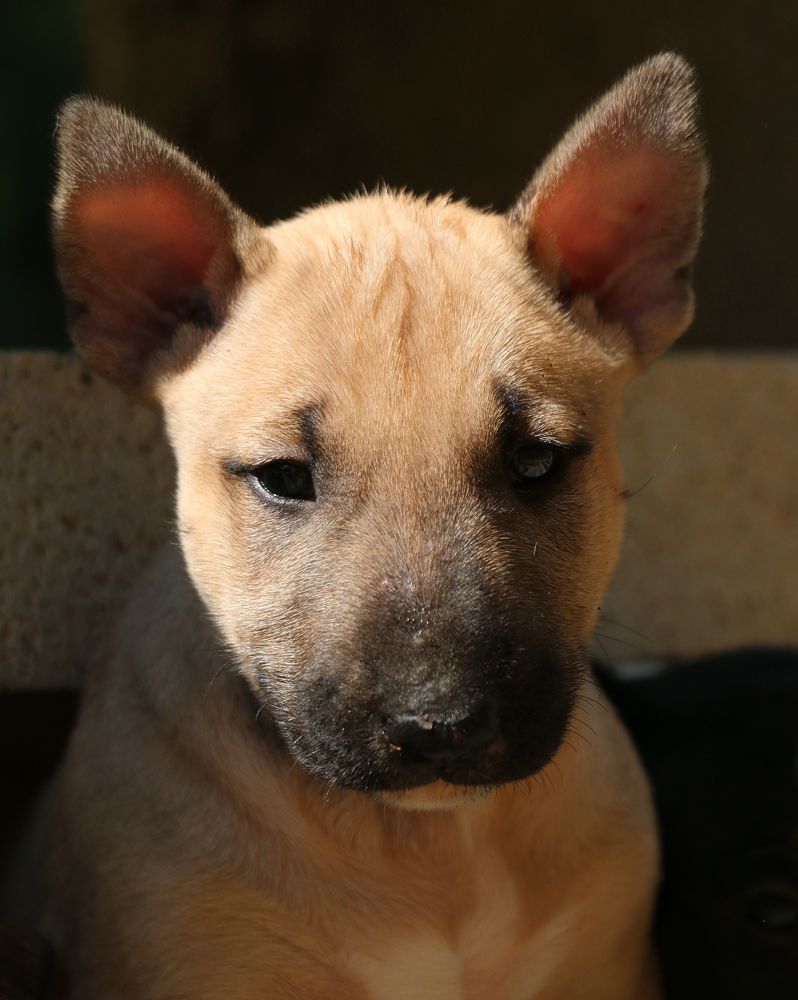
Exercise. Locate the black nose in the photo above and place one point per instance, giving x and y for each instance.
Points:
(439, 739)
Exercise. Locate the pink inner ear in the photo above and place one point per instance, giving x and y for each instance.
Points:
(602, 213)
(148, 238)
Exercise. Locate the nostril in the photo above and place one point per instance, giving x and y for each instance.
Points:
(439, 738)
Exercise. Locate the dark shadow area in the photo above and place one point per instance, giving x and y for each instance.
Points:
(292, 103)
(719, 738)
(34, 729)
(40, 64)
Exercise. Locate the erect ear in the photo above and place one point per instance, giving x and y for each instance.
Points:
(614, 212)
(145, 243)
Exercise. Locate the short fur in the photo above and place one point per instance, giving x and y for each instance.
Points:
(235, 817)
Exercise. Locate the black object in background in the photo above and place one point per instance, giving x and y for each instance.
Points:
(719, 738)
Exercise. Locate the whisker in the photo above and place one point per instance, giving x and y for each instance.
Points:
(598, 637)
(628, 493)
(593, 701)
(584, 723)
(614, 638)
(628, 628)
(224, 668)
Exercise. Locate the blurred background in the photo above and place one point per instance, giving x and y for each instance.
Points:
(289, 102)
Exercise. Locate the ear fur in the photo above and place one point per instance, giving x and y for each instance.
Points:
(615, 211)
(145, 242)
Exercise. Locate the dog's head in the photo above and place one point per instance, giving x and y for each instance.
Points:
(393, 418)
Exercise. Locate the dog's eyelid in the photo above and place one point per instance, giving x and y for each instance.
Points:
(565, 446)
(527, 419)
(235, 467)
(295, 439)
(244, 468)
(568, 446)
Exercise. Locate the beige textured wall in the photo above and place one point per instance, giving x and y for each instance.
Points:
(710, 559)
(85, 488)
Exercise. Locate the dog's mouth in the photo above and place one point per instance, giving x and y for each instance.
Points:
(500, 765)
(477, 741)
(477, 759)
(378, 768)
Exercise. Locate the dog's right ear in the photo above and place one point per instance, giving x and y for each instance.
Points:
(613, 215)
(146, 244)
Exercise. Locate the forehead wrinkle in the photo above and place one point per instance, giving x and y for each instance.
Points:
(394, 288)
(360, 247)
(430, 318)
(390, 301)
(441, 304)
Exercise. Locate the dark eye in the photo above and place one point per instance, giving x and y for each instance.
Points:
(532, 462)
(287, 480)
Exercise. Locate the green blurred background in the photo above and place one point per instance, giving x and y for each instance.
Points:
(288, 103)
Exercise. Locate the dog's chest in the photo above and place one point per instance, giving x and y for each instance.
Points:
(493, 949)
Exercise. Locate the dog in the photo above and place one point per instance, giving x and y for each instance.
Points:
(345, 742)
(718, 738)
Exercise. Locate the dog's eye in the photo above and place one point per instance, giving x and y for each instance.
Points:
(532, 462)
(287, 480)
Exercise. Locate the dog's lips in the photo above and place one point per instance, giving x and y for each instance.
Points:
(489, 773)
(501, 762)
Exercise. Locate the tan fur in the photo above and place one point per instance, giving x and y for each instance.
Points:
(216, 870)
(194, 857)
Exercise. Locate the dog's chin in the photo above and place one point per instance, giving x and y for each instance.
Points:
(438, 796)
(425, 788)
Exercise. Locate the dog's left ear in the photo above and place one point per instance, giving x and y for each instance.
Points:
(148, 245)
(614, 213)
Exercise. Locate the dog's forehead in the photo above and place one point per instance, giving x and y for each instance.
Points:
(397, 277)
(390, 303)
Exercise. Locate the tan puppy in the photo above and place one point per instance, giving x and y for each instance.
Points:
(346, 743)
